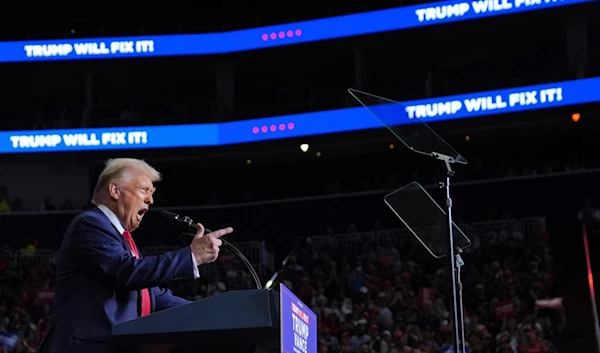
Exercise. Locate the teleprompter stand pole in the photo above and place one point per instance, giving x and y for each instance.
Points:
(456, 262)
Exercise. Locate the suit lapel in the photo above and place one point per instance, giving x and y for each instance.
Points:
(111, 228)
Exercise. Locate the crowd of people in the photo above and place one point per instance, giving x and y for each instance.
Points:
(384, 299)
(378, 293)
(26, 294)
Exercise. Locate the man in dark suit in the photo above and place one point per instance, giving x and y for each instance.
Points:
(101, 279)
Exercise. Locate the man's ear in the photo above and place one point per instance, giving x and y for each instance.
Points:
(114, 191)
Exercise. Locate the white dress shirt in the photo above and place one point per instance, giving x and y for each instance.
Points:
(112, 217)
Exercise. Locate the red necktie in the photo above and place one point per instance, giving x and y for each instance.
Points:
(144, 293)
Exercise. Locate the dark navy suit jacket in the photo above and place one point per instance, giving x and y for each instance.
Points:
(98, 282)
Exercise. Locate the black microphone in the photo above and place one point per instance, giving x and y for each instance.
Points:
(188, 227)
(186, 224)
(297, 244)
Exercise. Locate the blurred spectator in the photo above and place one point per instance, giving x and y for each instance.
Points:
(4, 201)
(588, 214)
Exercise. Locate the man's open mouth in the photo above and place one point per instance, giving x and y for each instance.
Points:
(142, 212)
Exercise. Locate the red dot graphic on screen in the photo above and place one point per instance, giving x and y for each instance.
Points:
(281, 127)
(265, 37)
(264, 129)
(290, 33)
(291, 126)
(255, 130)
(273, 128)
(281, 34)
(298, 32)
(273, 35)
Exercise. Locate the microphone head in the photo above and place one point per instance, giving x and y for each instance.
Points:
(169, 215)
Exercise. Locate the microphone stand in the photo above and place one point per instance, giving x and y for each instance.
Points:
(240, 256)
(189, 224)
(245, 261)
(284, 263)
(276, 274)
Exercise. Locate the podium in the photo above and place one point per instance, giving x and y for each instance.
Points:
(243, 321)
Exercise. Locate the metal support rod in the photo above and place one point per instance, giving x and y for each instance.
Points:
(456, 263)
(461, 309)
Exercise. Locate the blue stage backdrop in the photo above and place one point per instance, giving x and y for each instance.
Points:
(471, 105)
(271, 36)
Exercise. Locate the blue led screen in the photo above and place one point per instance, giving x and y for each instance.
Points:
(471, 105)
(271, 36)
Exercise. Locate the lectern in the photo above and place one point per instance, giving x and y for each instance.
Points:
(243, 321)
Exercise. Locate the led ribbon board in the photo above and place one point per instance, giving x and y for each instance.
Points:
(271, 36)
(472, 105)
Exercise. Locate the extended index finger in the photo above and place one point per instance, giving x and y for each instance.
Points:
(221, 232)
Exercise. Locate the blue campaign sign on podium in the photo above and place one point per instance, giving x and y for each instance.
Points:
(298, 324)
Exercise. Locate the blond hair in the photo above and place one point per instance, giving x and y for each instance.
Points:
(120, 169)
